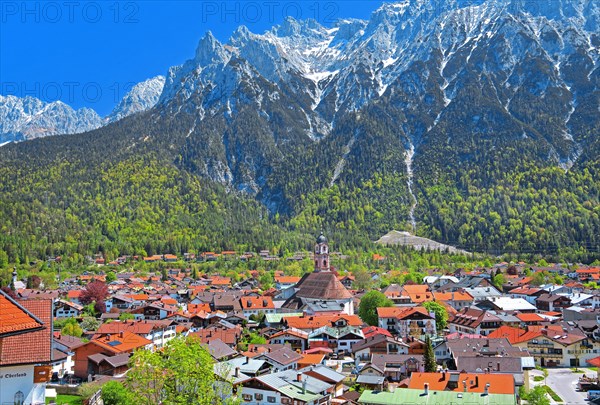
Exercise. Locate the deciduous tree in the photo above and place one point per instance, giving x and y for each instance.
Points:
(441, 314)
(96, 292)
(367, 310)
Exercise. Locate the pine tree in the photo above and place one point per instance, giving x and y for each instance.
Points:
(429, 357)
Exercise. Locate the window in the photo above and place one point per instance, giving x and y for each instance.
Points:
(284, 400)
(19, 398)
(271, 400)
(247, 397)
(258, 397)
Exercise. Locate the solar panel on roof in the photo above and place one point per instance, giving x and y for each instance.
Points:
(114, 343)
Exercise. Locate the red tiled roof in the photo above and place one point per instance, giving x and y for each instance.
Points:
(123, 342)
(287, 279)
(374, 330)
(513, 335)
(74, 293)
(218, 280)
(595, 361)
(30, 347)
(453, 296)
(418, 293)
(497, 383)
(400, 312)
(228, 336)
(14, 318)
(530, 318)
(318, 321)
(251, 303)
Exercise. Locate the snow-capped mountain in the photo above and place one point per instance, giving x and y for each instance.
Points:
(474, 122)
(29, 118)
(454, 72)
(141, 97)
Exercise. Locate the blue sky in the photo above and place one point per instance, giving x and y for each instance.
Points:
(89, 53)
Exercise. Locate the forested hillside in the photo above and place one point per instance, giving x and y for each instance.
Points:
(474, 124)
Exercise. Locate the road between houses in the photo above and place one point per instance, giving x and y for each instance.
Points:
(564, 382)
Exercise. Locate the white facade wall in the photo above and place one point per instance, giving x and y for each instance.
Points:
(15, 379)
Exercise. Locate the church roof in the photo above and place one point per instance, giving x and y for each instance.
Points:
(322, 285)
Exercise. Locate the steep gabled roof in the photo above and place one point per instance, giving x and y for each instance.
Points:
(14, 318)
(322, 285)
(121, 342)
(476, 382)
(32, 346)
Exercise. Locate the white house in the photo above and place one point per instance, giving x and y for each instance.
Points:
(26, 355)
(66, 309)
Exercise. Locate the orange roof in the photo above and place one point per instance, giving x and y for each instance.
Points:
(453, 296)
(418, 293)
(169, 300)
(476, 382)
(514, 335)
(169, 256)
(257, 303)
(552, 313)
(122, 342)
(94, 277)
(287, 279)
(138, 297)
(588, 271)
(311, 359)
(400, 312)
(193, 308)
(14, 318)
(30, 346)
(218, 280)
(74, 293)
(530, 318)
(315, 322)
(292, 332)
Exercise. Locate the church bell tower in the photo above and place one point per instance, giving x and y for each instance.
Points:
(322, 254)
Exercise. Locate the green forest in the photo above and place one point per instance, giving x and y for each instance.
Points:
(136, 188)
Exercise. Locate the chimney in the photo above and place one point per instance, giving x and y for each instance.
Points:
(498, 366)
(304, 386)
(236, 372)
(477, 381)
(247, 360)
(486, 390)
(299, 377)
(121, 334)
(426, 388)
(465, 385)
(443, 375)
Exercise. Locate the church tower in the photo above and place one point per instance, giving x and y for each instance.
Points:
(322, 254)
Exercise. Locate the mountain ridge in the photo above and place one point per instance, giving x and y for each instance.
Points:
(474, 124)
(29, 118)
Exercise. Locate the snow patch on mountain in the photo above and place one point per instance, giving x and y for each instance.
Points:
(29, 118)
(141, 97)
